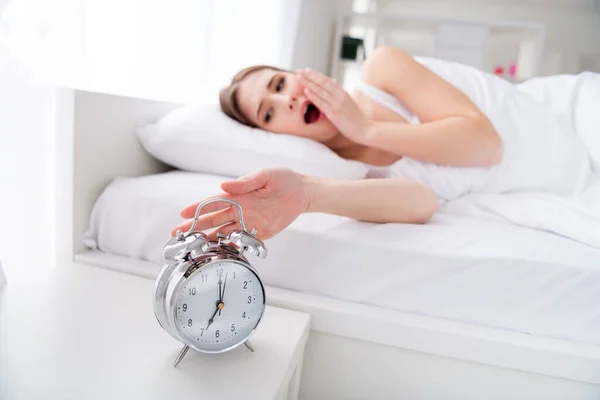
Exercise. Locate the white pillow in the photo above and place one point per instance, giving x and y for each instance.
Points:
(201, 138)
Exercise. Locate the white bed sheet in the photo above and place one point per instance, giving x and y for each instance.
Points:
(486, 273)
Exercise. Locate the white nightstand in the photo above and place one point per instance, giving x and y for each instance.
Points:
(82, 332)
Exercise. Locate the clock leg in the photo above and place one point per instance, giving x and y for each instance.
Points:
(181, 355)
(249, 345)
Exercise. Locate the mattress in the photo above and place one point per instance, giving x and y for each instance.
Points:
(480, 272)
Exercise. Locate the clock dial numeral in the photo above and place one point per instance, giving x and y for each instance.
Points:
(232, 327)
(185, 307)
(219, 271)
(249, 299)
(217, 333)
(233, 274)
(244, 315)
(189, 322)
(201, 331)
(204, 278)
(245, 284)
(192, 291)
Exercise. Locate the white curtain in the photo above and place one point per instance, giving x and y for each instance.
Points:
(170, 50)
(177, 50)
(26, 120)
(244, 33)
(147, 48)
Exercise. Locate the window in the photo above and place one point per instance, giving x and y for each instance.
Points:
(146, 48)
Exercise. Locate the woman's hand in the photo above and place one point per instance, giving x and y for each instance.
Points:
(337, 105)
(271, 199)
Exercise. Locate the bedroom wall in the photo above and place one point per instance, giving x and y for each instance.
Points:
(26, 169)
(573, 26)
(313, 42)
(26, 175)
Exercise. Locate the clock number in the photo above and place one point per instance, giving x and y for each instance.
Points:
(233, 274)
(219, 271)
(192, 291)
(244, 315)
(245, 284)
(232, 327)
(204, 278)
(185, 307)
(217, 333)
(189, 322)
(201, 331)
(249, 299)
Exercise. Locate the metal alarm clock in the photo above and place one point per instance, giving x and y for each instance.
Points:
(207, 295)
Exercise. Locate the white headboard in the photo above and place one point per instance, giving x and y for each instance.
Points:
(96, 142)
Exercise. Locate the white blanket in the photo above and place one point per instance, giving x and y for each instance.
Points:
(550, 177)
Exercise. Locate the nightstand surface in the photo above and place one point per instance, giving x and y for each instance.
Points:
(82, 332)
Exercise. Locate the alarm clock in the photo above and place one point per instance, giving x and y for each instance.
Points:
(207, 295)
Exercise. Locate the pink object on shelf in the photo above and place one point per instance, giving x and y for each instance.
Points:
(499, 70)
(512, 69)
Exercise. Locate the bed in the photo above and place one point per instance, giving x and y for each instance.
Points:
(487, 310)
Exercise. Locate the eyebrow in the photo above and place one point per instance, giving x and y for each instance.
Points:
(261, 102)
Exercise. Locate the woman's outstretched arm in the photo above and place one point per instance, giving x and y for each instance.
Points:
(372, 200)
(272, 199)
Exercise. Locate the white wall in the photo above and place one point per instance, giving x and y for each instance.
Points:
(573, 26)
(26, 175)
(244, 33)
(315, 33)
(293, 34)
(26, 171)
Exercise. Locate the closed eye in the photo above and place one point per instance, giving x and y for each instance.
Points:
(268, 115)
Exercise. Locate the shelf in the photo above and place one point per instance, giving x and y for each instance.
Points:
(369, 19)
(482, 44)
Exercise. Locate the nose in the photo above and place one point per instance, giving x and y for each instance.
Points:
(295, 94)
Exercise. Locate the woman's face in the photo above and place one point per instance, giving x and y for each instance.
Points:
(275, 102)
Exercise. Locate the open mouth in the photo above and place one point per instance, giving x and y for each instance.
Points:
(311, 114)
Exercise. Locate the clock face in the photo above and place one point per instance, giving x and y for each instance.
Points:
(219, 306)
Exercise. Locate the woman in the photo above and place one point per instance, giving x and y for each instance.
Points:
(458, 128)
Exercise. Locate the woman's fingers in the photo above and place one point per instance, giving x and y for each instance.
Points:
(318, 90)
(208, 221)
(225, 229)
(243, 185)
(190, 211)
(328, 95)
(328, 84)
(321, 104)
(215, 219)
(248, 183)
(183, 227)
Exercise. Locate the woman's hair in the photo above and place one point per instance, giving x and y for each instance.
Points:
(228, 96)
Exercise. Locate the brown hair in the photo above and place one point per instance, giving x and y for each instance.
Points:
(228, 96)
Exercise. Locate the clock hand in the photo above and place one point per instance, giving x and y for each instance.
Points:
(210, 321)
(224, 284)
(220, 294)
(223, 293)
(219, 302)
